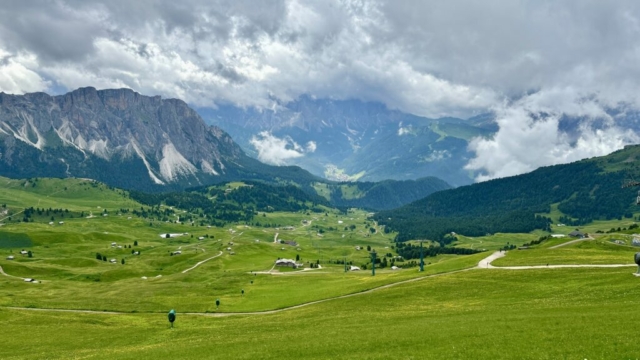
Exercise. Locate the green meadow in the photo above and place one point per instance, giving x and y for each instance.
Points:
(85, 307)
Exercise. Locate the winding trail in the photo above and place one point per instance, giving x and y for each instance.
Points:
(5, 274)
(483, 264)
(201, 262)
(486, 264)
(18, 213)
(265, 312)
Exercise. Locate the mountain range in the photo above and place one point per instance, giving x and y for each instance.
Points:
(133, 141)
(348, 140)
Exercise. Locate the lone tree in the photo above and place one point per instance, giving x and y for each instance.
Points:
(636, 258)
(29, 254)
(217, 303)
(135, 243)
(122, 261)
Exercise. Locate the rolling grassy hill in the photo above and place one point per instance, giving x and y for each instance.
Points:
(464, 312)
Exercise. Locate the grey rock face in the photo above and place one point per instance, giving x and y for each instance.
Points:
(80, 131)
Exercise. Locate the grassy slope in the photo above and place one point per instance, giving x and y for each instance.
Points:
(537, 314)
(585, 252)
(64, 258)
(471, 314)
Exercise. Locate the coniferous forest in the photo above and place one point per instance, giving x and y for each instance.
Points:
(583, 191)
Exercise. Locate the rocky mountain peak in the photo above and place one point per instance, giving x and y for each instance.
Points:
(165, 135)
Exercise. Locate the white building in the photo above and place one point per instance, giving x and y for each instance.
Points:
(287, 262)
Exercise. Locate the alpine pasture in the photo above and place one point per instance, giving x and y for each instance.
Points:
(84, 307)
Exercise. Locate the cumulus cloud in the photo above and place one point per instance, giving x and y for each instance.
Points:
(277, 151)
(18, 74)
(210, 52)
(531, 135)
(452, 58)
(311, 146)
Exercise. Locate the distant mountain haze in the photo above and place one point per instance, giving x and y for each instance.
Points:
(349, 140)
(152, 144)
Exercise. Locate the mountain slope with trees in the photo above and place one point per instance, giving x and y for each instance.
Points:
(150, 144)
(584, 191)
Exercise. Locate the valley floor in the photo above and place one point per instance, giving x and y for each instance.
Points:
(527, 313)
(559, 299)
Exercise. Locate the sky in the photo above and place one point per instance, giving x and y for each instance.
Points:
(532, 63)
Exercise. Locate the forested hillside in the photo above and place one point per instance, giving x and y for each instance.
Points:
(584, 191)
(385, 194)
(218, 204)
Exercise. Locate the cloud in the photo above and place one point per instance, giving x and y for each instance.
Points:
(17, 74)
(454, 58)
(277, 151)
(531, 135)
(211, 52)
(311, 146)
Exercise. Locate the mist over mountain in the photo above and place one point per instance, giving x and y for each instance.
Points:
(354, 140)
(152, 144)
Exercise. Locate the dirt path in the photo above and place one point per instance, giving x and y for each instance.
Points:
(5, 274)
(201, 262)
(571, 242)
(266, 312)
(275, 238)
(18, 213)
(483, 264)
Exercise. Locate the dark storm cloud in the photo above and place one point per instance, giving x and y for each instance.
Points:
(52, 30)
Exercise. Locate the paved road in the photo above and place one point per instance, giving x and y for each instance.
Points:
(486, 264)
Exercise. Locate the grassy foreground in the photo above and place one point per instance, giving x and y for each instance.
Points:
(474, 314)
(537, 314)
